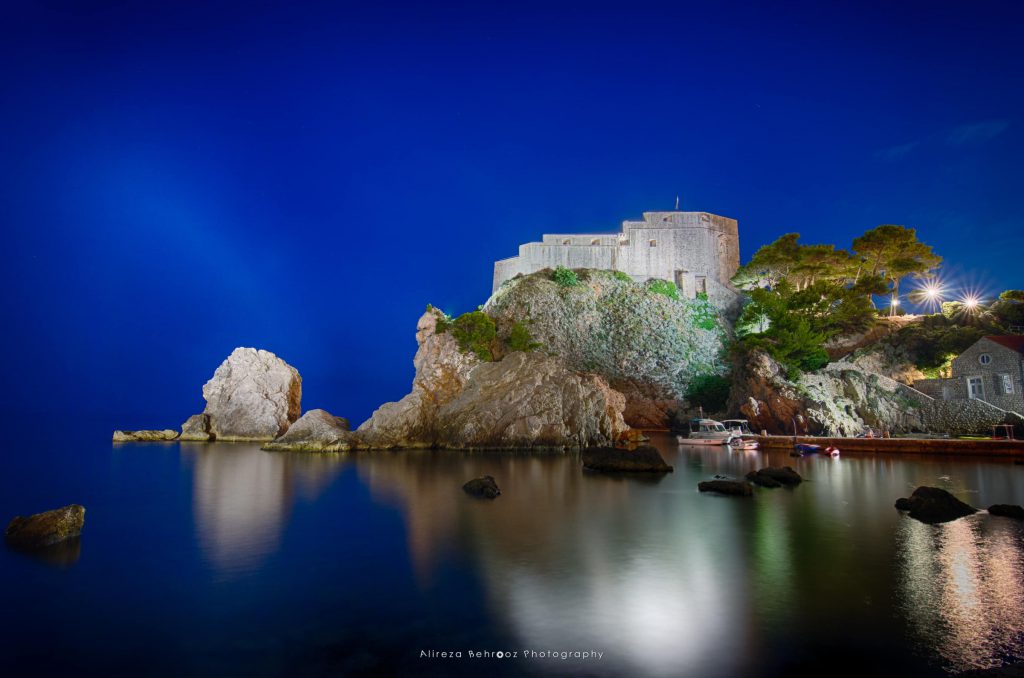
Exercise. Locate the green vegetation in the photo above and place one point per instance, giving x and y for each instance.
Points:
(663, 287)
(620, 275)
(475, 331)
(565, 277)
(705, 316)
(710, 391)
(519, 339)
(800, 295)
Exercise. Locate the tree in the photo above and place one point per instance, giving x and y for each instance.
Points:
(893, 252)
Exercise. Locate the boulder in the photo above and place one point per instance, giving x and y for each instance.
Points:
(774, 476)
(315, 431)
(934, 505)
(252, 396)
(1007, 511)
(197, 428)
(484, 487)
(736, 488)
(643, 459)
(632, 436)
(144, 436)
(524, 400)
(47, 528)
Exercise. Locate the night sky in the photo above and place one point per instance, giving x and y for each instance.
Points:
(180, 181)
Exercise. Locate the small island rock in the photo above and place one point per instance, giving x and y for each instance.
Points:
(144, 436)
(315, 431)
(484, 487)
(44, 529)
(736, 488)
(1007, 511)
(772, 476)
(934, 505)
(644, 459)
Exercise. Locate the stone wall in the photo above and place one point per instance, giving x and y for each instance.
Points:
(968, 365)
(697, 251)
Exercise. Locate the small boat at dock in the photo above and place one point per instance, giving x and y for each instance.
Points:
(707, 432)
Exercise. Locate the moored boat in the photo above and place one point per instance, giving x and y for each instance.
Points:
(706, 432)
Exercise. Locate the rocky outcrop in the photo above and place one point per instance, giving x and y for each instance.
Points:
(1007, 511)
(47, 528)
(775, 477)
(253, 396)
(646, 345)
(483, 487)
(644, 459)
(525, 400)
(934, 505)
(838, 400)
(197, 428)
(737, 488)
(315, 431)
(144, 436)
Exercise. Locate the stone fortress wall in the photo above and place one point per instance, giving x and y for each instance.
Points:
(699, 252)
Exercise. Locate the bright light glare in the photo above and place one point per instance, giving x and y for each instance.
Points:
(971, 302)
(932, 292)
(895, 301)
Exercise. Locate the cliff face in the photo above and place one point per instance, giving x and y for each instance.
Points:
(839, 400)
(644, 344)
(524, 400)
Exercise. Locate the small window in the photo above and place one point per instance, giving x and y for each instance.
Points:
(566, 242)
(595, 241)
(1007, 384)
(984, 358)
(654, 243)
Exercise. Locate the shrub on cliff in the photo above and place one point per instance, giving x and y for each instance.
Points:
(565, 277)
(664, 287)
(519, 339)
(475, 331)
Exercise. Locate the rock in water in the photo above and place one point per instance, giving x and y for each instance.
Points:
(315, 431)
(736, 488)
(253, 395)
(774, 477)
(1007, 511)
(644, 459)
(484, 486)
(144, 436)
(934, 505)
(197, 427)
(44, 529)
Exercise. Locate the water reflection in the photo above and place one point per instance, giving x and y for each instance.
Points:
(963, 589)
(242, 497)
(62, 554)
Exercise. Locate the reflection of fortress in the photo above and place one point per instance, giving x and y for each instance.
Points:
(699, 252)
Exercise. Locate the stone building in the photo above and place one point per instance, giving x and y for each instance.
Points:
(699, 252)
(991, 370)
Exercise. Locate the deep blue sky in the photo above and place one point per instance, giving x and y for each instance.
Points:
(179, 181)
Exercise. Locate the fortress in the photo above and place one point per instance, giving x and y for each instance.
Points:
(699, 252)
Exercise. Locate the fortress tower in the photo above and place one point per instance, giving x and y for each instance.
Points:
(699, 252)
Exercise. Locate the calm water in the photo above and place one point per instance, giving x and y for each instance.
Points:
(223, 559)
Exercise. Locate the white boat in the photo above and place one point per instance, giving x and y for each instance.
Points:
(742, 435)
(706, 432)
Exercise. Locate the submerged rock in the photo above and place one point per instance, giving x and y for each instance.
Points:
(934, 505)
(774, 476)
(484, 486)
(315, 431)
(197, 428)
(43, 529)
(1007, 511)
(525, 400)
(253, 395)
(144, 436)
(736, 488)
(643, 459)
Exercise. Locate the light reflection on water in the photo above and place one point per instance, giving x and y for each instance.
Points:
(963, 589)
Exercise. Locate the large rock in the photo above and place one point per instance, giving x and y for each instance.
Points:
(772, 476)
(525, 400)
(934, 505)
(644, 344)
(253, 395)
(315, 431)
(197, 428)
(644, 459)
(144, 436)
(484, 487)
(1007, 511)
(47, 528)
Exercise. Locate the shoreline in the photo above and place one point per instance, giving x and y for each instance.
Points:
(932, 446)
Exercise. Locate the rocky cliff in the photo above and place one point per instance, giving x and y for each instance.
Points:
(643, 342)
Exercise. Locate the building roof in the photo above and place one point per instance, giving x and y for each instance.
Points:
(1015, 342)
